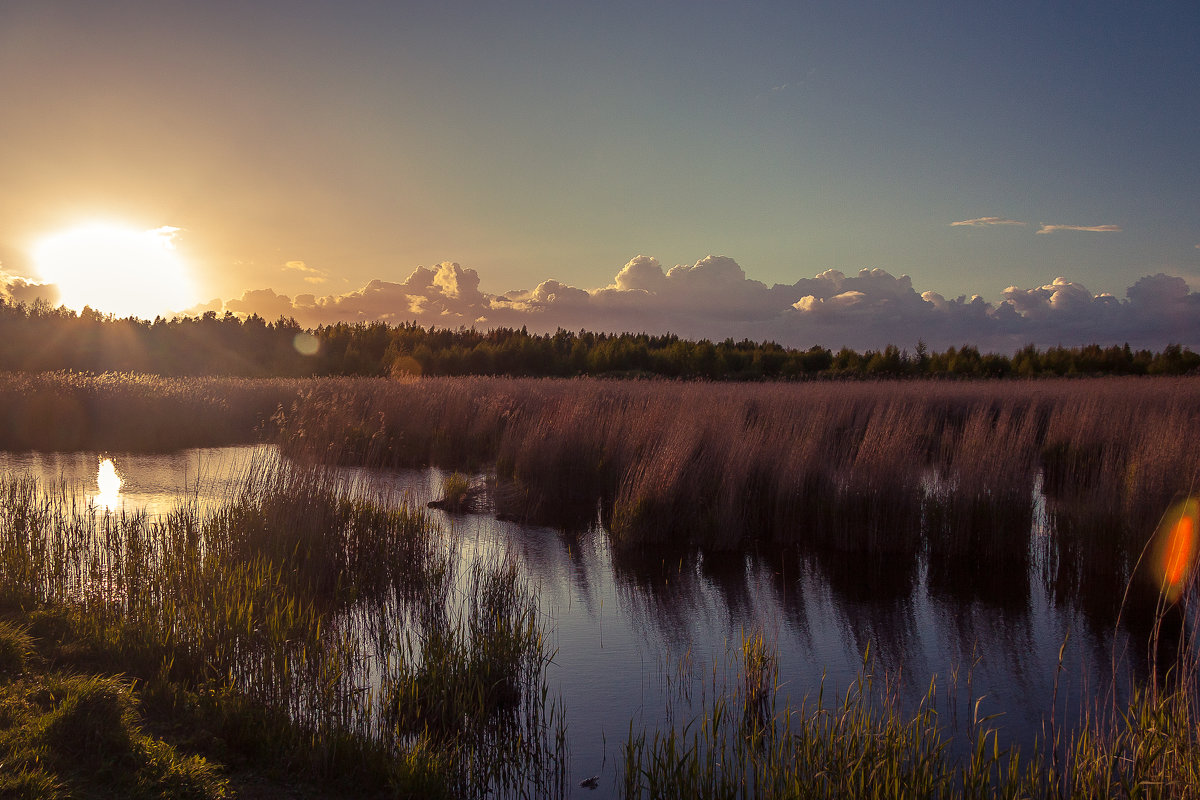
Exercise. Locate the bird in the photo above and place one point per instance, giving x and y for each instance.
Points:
(590, 783)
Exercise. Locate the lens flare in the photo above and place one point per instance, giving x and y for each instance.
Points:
(1175, 556)
(306, 344)
(1179, 550)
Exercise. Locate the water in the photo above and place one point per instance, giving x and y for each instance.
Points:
(646, 641)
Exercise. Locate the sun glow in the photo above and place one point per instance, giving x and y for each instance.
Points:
(116, 270)
(109, 483)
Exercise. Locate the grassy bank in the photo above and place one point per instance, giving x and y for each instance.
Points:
(297, 630)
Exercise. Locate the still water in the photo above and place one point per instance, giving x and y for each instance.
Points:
(636, 643)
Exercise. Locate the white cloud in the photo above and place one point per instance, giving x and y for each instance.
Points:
(311, 274)
(715, 299)
(979, 222)
(643, 273)
(1088, 228)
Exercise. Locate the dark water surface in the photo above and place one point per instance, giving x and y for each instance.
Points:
(644, 641)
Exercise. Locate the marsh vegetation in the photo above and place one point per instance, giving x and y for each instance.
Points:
(298, 625)
(881, 473)
(333, 632)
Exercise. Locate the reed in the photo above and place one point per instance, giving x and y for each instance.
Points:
(472, 687)
(864, 476)
(460, 494)
(865, 744)
(979, 508)
(250, 619)
(66, 411)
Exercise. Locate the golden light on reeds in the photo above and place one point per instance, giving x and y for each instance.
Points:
(1175, 549)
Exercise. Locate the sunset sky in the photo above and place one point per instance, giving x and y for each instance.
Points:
(306, 158)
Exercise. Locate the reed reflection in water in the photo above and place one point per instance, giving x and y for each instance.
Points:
(638, 636)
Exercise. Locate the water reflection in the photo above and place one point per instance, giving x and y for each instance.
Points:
(109, 483)
(632, 630)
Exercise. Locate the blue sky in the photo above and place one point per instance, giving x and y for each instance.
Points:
(556, 141)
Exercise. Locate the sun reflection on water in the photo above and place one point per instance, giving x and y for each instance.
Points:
(109, 483)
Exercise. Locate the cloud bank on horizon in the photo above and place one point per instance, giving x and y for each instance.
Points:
(715, 299)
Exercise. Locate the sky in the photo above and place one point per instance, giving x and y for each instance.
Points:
(814, 173)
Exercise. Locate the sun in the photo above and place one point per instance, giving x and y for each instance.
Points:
(116, 269)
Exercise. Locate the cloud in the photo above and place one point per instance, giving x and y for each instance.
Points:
(644, 273)
(714, 298)
(263, 302)
(1091, 228)
(15, 289)
(985, 221)
(446, 295)
(311, 274)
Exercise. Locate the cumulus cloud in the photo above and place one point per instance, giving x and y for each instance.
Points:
(979, 222)
(263, 302)
(1089, 228)
(15, 289)
(714, 298)
(311, 274)
(446, 295)
(643, 273)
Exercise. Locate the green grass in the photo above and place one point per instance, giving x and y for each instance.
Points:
(863, 744)
(459, 495)
(64, 735)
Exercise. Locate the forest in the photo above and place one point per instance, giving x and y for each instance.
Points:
(39, 337)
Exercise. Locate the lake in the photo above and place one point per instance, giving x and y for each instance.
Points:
(644, 640)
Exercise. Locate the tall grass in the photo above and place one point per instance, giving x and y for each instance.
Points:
(864, 476)
(291, 602)
(125, 411)
(747, 743)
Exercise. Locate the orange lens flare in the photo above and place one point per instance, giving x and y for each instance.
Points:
(1179, 550)
(1174, 556)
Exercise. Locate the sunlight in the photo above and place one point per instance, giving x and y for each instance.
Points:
(116, 269)
(109, 483)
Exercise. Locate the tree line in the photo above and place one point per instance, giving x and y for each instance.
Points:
(39, 337)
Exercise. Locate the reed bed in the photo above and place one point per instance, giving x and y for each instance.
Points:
(863, 475)
(64, 411)
(286, 608)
